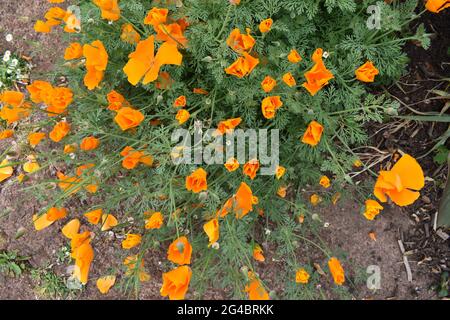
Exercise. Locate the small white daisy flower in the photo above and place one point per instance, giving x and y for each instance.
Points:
(325, 54)
(9, 37)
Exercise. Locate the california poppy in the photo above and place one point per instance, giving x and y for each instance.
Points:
(318, 76)
(143, 63)
(232, 164)
(437, 6)
(197, 182)
(110, 9)
(89, 143)
(128, 118)
(240, 42)
(258, 253)
(228, 125)
(325, 182)
(156, 16)
(294, 56)
(301, 276)
(155, 221)
(243, 66)
(250, 168)
(336, 271)
(268, 84)
(180, 251)
(255, 289)
(35, 138)
(73, 51)
(96, 62)
(265, 25)
(270, 105)
(59, 131)
(108, 222)
(104, 284)
(180, 102)
(131, 241)
(289, 79)
(367, 72)
(402, 183)
(182, 116)
(176, 283)
(313, 134)
(279, 172)
(129, 34)
(211, 229)
(372, 209)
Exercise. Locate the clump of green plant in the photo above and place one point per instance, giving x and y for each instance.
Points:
(12, 264)
(13, 69)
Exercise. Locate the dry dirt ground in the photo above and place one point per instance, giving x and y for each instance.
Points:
(347, 230)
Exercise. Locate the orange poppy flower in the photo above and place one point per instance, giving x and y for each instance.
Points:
(60, 130)
(83, 255)
(156, 16)
(40, 91)
(71, 229)
(69, 148)
(243, 66)
(47, 219)
(255, 289)
(282, 191)
(258, 253)
(104, 284)
(143, 63)
(313, 134)
(42, 27)
(243, 201)
(325, 182)
(289, 79)
(35, 138)
(437, 6)
(129, 34)
(402, 183)
(68, 183)
(200, 91)
(250, 168)
(96, 62)
(211, 229)
(268, 84)
(60, 99)
(171, 33)
(372, 209)
(302, 276)
(227, 125)
(315, 199)
(279, 172)
(12, 98)
(176, 283)
(367, 72)
(73, 51)
(294, 56)
(116, 100)
(155, 221)
(5, 134)
(31, 165)
(94, 216)
(110, 9)
(336, 271)
(131, 241)
(180, 102)
(14, 108)
(265, 25)
(270, 105)
(108, 222)
(5, 170)
(232, 164)
(318, 76)
(89, 143)
(180, 251)
(197, 182)
(240, 42)
(128, 118)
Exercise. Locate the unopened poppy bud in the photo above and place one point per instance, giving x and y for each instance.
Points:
(207, 59)
(391, 111)
(159, 99)
(244, 270)
(315, 217)
(203, 196)
(208, 101)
